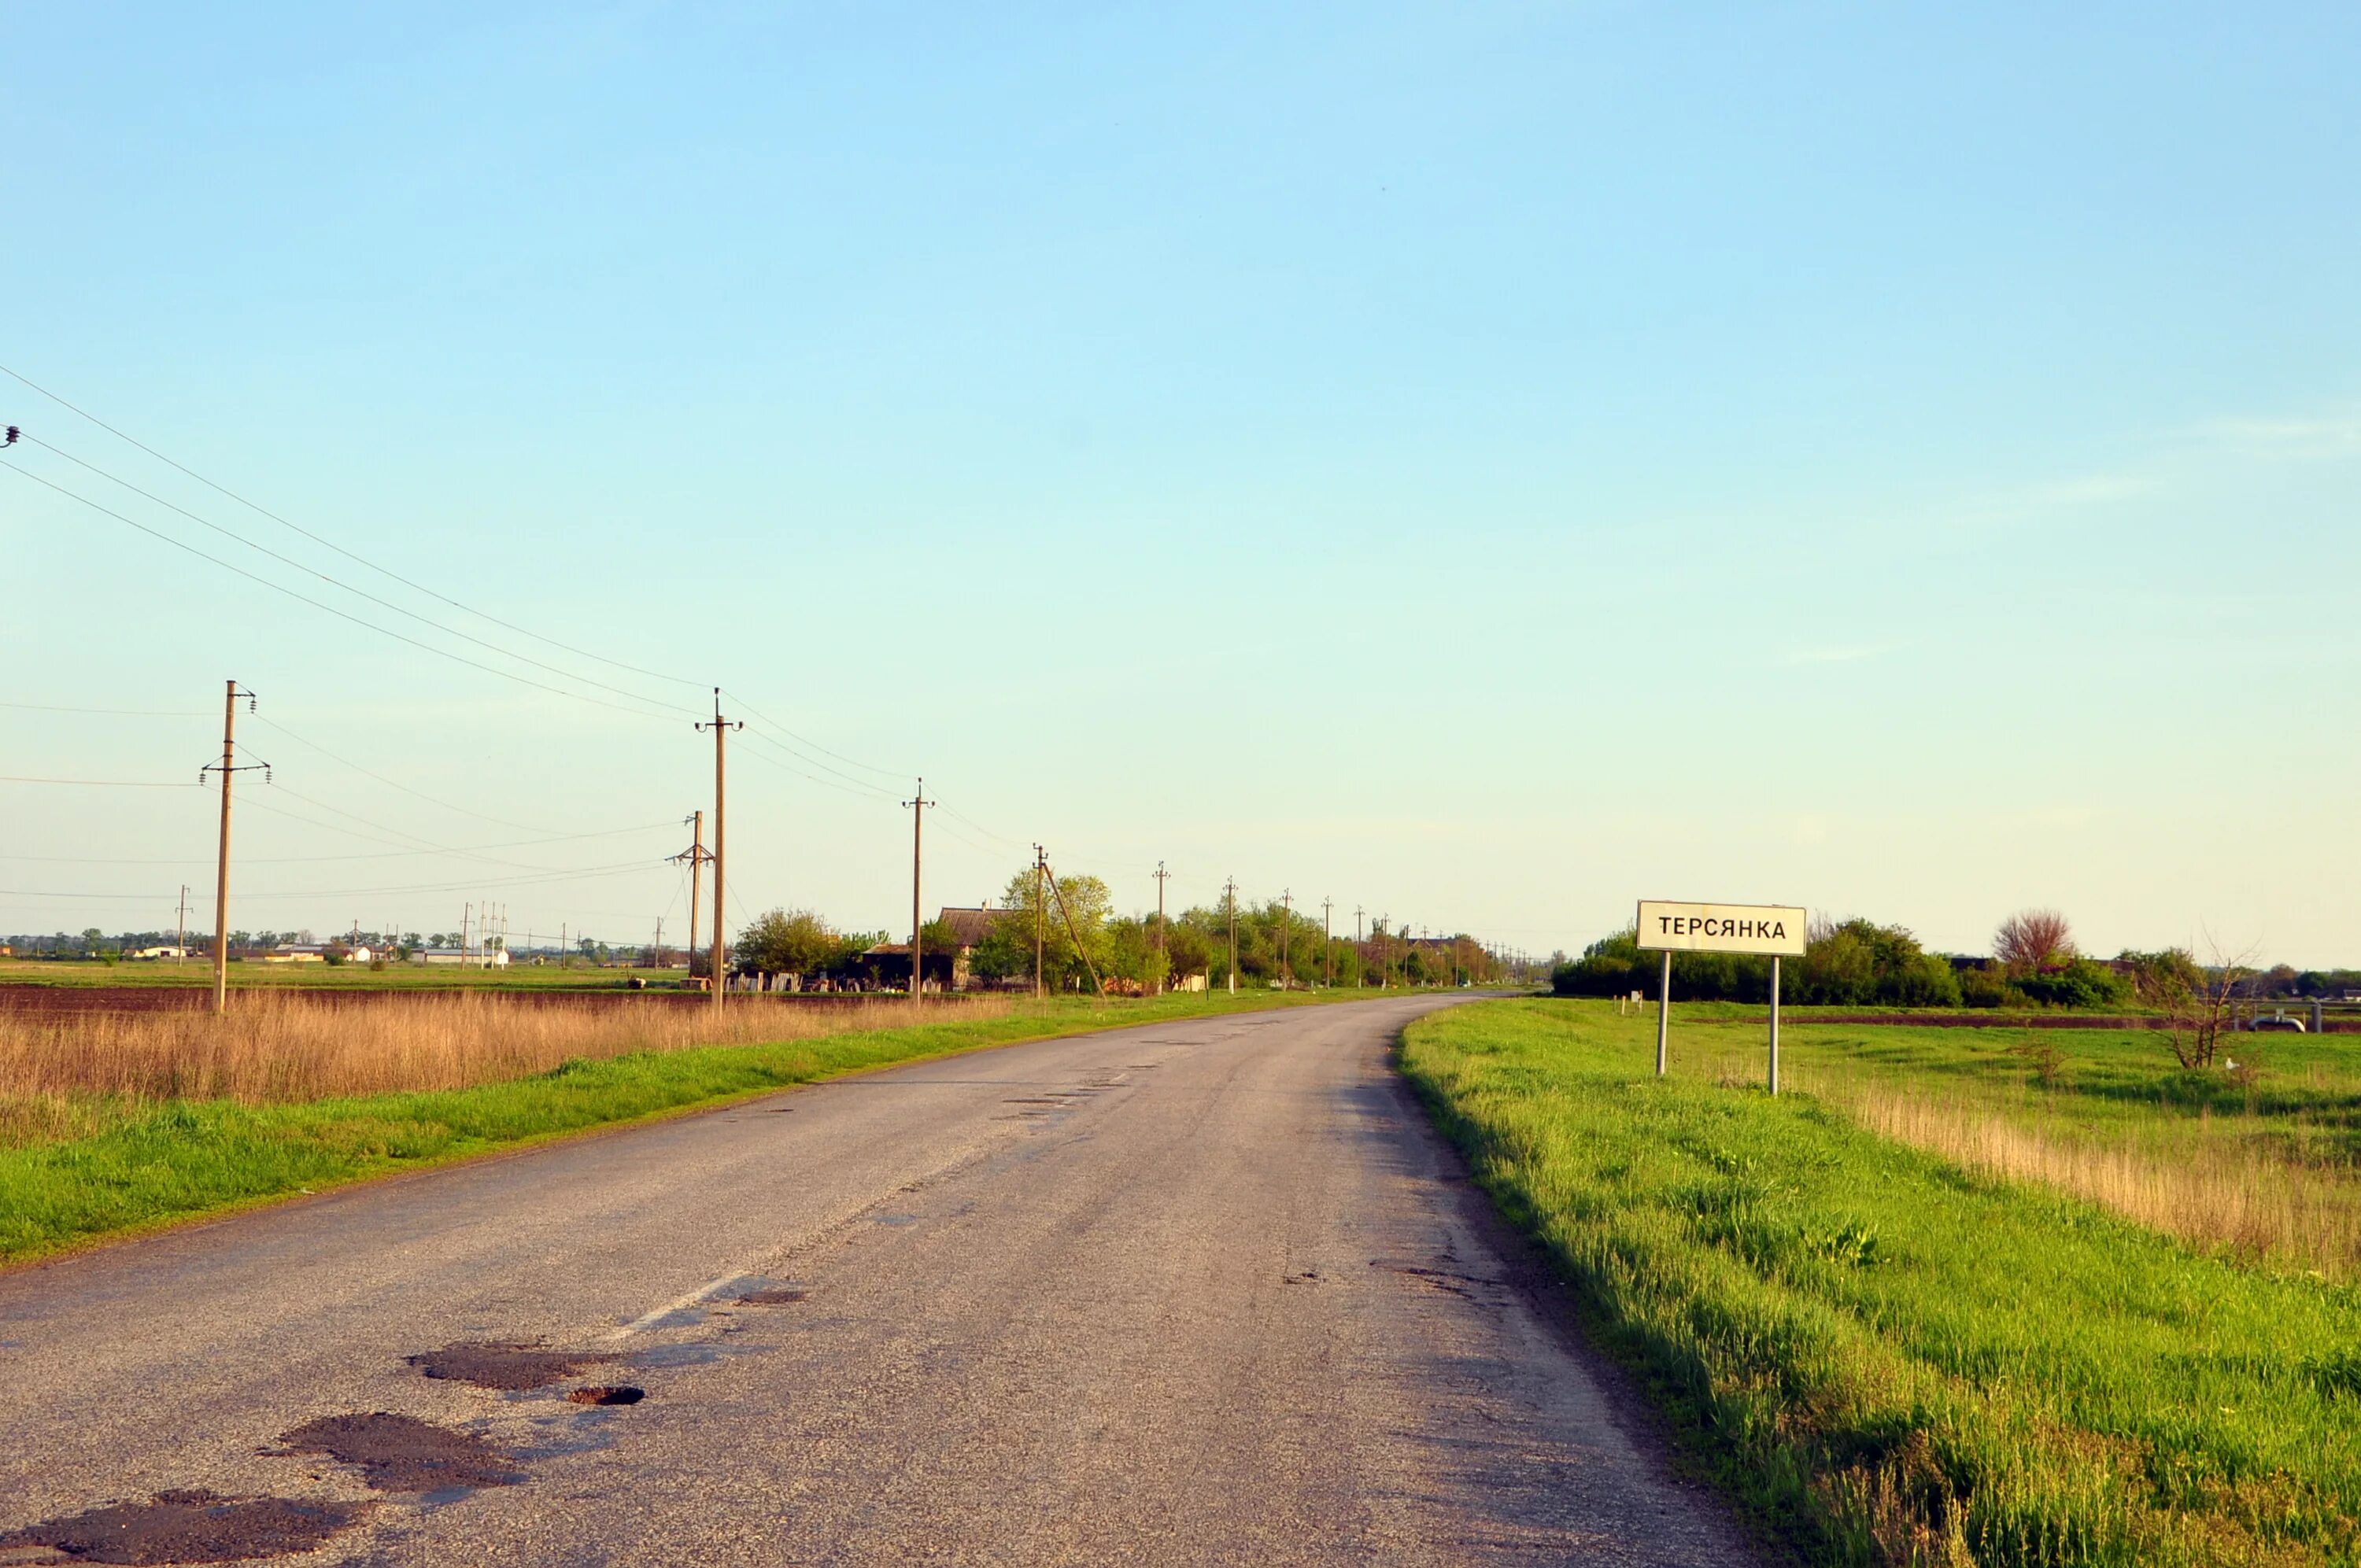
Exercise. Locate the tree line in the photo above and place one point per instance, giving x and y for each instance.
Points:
(1083, 941)
(2035, 962)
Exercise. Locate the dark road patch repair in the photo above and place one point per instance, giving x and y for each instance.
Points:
(779, 1296)
(615, 1394)
(1441, 1278)
(504, 1365)
(189, 1527)
(402, 1454)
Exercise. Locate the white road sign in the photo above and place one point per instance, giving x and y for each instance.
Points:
(1767, 928)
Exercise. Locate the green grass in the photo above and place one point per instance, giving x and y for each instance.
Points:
(2113, 1085)
(137, 1167)
(1886, 1359)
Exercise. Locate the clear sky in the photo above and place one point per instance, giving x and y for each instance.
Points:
(1485, 464)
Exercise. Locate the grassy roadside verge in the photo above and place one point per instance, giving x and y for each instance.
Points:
(159, 1164)
(1886, 1360)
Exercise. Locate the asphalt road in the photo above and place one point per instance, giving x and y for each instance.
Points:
(1205, 1292)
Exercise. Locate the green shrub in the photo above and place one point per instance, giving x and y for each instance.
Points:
(2081, 983)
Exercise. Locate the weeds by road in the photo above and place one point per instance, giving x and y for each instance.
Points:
(78, 1166)
(1886, 1358)
(277, 1048)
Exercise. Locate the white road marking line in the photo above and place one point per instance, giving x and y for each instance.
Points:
(704, 1292)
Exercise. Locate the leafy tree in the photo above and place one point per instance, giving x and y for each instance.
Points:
(1086, 902)
(786, 941)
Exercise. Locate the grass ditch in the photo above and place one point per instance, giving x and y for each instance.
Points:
(89, 1167)
(1886, 1358)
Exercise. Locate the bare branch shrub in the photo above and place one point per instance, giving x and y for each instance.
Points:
(2195, 999)
(2032, 940)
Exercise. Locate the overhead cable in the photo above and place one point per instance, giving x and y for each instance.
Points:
(331, 610)
(376, 600)
(331, 544)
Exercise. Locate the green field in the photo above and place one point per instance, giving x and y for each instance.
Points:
(1888, 1355)
(131, 1166)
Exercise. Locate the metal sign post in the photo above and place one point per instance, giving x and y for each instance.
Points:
(1663, 1012)
(1763, 930)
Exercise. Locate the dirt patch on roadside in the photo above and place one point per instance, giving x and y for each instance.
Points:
(497, 1364)
(402, 1454)
(188, 1527)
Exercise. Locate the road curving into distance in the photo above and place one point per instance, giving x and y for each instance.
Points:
(1197, 1292)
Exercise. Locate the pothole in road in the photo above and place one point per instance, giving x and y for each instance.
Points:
(186, 1527)
(615, 1394)
(496, 1364)
(402, 1454)
(776, 1296)
(1030, 1101)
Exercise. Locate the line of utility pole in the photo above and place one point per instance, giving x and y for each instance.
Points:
(1286, 938)
(721, 727)
(696, 855)
(1040, 869)
(228, 768)
(1230, 901)
(1162, 964)
(916, 807)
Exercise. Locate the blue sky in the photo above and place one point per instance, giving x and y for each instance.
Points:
(1483, 463)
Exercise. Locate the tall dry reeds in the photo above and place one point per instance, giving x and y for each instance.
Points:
(274, 1048)
(2194, 1178)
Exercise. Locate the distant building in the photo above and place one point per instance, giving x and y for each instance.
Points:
(296, 953)
(472, 957)
(165, 952)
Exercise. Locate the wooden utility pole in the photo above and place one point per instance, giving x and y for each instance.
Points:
(1327, 944)
(1074, 935)
(1230, 897)
(1361, 965)
(721, 727)
(917, 809)
(1040, 867)
(1162, 964)
(180, 942)
(227, 767)
(1286, 930)
(1385, 953)
(696, 855)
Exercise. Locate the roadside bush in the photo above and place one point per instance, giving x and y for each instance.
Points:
(1986, 986)
(2081, 983)
(1614, 966)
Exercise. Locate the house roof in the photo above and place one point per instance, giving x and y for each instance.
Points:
(971, 927)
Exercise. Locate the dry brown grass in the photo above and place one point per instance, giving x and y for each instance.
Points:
(279, 1049)
(2209, 1188)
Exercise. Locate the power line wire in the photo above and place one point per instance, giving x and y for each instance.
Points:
(896, 774)
(448, 805)
(329, 544)
(380, 601)
(341, 615)
(323, 859)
